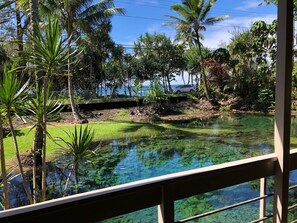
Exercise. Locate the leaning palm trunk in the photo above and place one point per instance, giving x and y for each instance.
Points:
(24, 181)
(3, 170)
(75, 113)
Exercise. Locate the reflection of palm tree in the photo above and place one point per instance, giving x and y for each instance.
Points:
(191, 21)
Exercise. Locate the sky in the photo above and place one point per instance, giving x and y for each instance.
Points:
(149, 16)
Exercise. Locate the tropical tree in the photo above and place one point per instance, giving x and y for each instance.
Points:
(218, 67)
(12, 99)
(164, 57)
(48, 54)
(79, 149)
(79, 16)
(191, 21)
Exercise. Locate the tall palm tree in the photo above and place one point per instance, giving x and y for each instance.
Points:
(78, 15)
(191, 20)
(33, 14)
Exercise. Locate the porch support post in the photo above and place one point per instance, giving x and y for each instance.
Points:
(262, 209)
(166, 208)
(283, 108)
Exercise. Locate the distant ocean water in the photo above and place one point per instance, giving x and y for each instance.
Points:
(121, 91)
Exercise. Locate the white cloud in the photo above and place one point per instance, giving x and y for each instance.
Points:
(147, 2)
(169, 31)
(249, 4)
(222, 32)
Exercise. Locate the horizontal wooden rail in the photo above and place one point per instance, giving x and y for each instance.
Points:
(109, 202)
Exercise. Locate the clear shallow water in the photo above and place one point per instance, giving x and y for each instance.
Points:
(203, 143)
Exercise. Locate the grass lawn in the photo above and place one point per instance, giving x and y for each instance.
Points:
(103, 131)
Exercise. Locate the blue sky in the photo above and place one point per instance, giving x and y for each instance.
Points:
(148, 16)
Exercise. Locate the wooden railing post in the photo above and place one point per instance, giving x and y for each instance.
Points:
(283, 108)
(166, 208)
(262, 205)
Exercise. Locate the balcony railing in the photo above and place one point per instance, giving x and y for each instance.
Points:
(162, 191)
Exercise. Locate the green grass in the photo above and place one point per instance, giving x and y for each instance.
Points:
(103, 131)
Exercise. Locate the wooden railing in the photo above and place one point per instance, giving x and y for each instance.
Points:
(162, 191)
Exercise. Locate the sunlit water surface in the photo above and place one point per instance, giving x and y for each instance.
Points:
(207, 142)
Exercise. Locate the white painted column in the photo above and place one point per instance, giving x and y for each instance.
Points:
(283, 108)
(262, 209)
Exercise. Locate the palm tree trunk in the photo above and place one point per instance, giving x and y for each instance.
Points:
(33, 4)
(6, 204)
(205, 84)
(75, 113)
(24, 181)
(19, 28)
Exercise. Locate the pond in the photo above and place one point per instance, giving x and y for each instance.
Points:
(207, 142)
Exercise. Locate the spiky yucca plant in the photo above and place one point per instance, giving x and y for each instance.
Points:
(13, 96)
(78, 147)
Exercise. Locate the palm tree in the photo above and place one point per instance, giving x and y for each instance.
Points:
(48, 54)
(79, 16)
(12, 98)
(191, 21)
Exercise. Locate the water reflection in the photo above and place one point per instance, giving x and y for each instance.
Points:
(197, 143)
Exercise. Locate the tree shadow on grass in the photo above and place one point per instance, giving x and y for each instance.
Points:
(7, 133)
(156, 127)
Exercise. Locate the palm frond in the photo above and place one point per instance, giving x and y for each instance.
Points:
(213, 20)
(205, 9)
